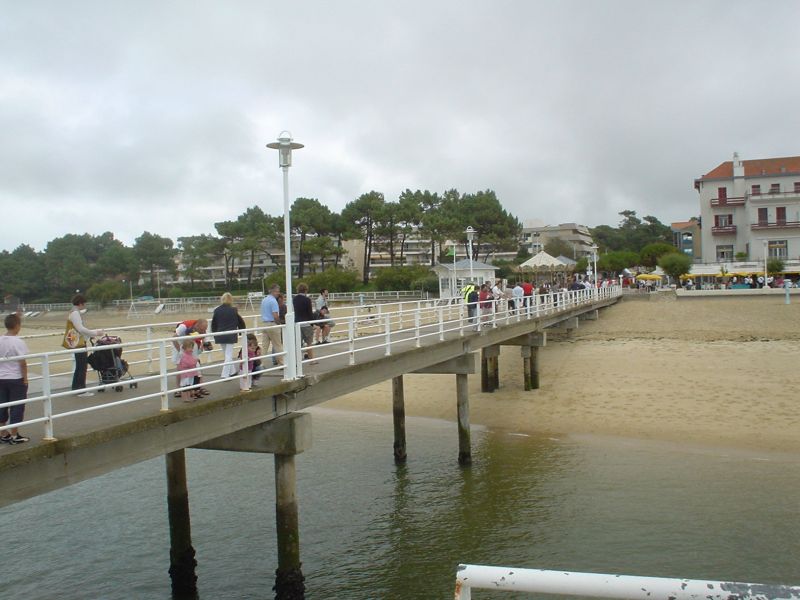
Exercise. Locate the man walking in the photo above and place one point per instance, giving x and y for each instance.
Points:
(271, 318)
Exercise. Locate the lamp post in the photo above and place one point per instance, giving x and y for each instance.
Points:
(284, 146)
(594, 263)
(455, 281)
(470, 236)
(766, 251)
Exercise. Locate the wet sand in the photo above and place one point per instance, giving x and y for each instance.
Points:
(716, 372)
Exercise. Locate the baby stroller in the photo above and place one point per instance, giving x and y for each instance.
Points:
(109, 364)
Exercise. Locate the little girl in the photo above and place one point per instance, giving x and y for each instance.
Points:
(188, 364)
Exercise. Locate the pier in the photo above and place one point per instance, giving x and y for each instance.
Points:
(75, 438)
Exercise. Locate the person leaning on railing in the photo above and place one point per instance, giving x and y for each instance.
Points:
(75, 337)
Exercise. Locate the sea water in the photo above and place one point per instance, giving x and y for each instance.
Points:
(370, 529)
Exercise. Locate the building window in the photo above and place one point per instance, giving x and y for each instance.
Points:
(722, 193)
(778, 249)
(797, 186)
(755, 190)
(775, 188)
(723, 220)
(763, 216)
(780, 215)
(725, 253)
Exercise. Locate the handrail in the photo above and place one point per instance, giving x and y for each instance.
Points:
(599, 585)
(365, 330)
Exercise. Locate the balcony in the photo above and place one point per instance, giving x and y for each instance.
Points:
(733, 201)
(770, 195)
(724, 230)
(781, 224)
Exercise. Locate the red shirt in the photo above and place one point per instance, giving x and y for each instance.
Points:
(527, 288)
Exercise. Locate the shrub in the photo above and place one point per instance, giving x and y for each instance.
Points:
(335, 280)
(400, 278)
(675, 264)
(106, 291)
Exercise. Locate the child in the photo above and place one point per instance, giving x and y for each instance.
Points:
(13, 380)
(188, 364)
(253, 358)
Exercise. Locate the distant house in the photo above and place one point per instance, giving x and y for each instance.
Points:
(750, 207)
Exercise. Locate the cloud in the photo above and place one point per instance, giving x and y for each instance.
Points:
(153, 116)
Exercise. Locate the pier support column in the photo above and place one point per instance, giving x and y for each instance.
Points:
(462, 401)
(181, 553)
(399, 414)
(289, 580)
(490, 378)
(530, 366)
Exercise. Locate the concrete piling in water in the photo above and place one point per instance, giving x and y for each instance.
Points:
(182, 561)
(399, 416)
(533, 362)
(462, 401)
(289, 579)
(490, 372)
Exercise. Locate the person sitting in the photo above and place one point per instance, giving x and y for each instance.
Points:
(322, 330)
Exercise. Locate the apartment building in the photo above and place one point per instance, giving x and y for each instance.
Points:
(686, 238)
(749, 207)
(534, 238)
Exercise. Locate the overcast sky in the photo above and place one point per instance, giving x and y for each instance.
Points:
(132, 116)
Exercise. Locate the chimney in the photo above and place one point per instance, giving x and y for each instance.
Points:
(738, 166)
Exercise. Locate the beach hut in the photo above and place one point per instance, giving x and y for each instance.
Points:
(453, 277)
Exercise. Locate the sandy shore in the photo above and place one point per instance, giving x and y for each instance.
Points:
(717, 372)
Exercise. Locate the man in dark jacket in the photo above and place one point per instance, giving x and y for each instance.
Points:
(227, 318)
(304, 311)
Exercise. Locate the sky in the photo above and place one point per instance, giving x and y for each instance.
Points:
(154, 116)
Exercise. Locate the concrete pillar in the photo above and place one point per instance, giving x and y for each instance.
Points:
(181, 553)
(534, 367)
(399, 414)
(525, 352)
(289, 580)
(462, 402)
(490, 376)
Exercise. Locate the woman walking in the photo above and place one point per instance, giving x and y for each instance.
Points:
(227, 318)
(75, 337)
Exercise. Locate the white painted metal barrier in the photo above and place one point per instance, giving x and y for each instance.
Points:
(596, 585)
(368, 329)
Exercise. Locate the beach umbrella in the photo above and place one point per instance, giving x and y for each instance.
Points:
(648, 276)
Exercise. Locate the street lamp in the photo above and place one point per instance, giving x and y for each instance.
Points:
(594, 261)
(284, 146)
(766, 251)
(470, 236)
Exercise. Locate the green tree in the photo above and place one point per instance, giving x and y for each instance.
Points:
(775, 266)
(495, 229)
(632, 234)
(22, 273)
(652, 252)
(68, 262)
(323, 247)
(154, 252)
(410, 218)
(675, 264)
(557, 247)
(309, 217)
(198, 252)
(400, 278)
(106, 291)
(363, 216)
(617, 261)
(118, 260)
(432, 222)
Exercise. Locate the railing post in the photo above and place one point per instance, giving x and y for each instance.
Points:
(441, 324)
(162, 371)
(388, 325)
(298, 350)
(149, 350)
(47, 405)
(416, 327)
(351, 335)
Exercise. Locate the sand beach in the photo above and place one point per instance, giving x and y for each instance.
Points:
(717, 372)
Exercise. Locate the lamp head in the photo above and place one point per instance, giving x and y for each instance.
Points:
(284, 146)
(470, 233)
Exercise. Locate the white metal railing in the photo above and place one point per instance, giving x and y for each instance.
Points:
(598, 585)
(368, 329)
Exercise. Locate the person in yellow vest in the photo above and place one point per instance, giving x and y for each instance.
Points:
(75, 337)
(470, 295)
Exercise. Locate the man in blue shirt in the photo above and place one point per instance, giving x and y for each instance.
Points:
(270, 316)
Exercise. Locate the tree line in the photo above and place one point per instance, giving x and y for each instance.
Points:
(104, 266)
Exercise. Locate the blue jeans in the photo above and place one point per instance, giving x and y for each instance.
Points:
(10, 391)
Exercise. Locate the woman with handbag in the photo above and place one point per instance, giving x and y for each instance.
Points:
(227, 318)
(75, 337)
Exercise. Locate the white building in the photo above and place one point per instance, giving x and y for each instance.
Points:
(749, 206)
(534, 238)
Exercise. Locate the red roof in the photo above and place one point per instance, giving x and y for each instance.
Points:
(753, 168)
(683, 224)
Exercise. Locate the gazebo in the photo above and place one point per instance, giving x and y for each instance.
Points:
(544, 263)
(452, 277)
